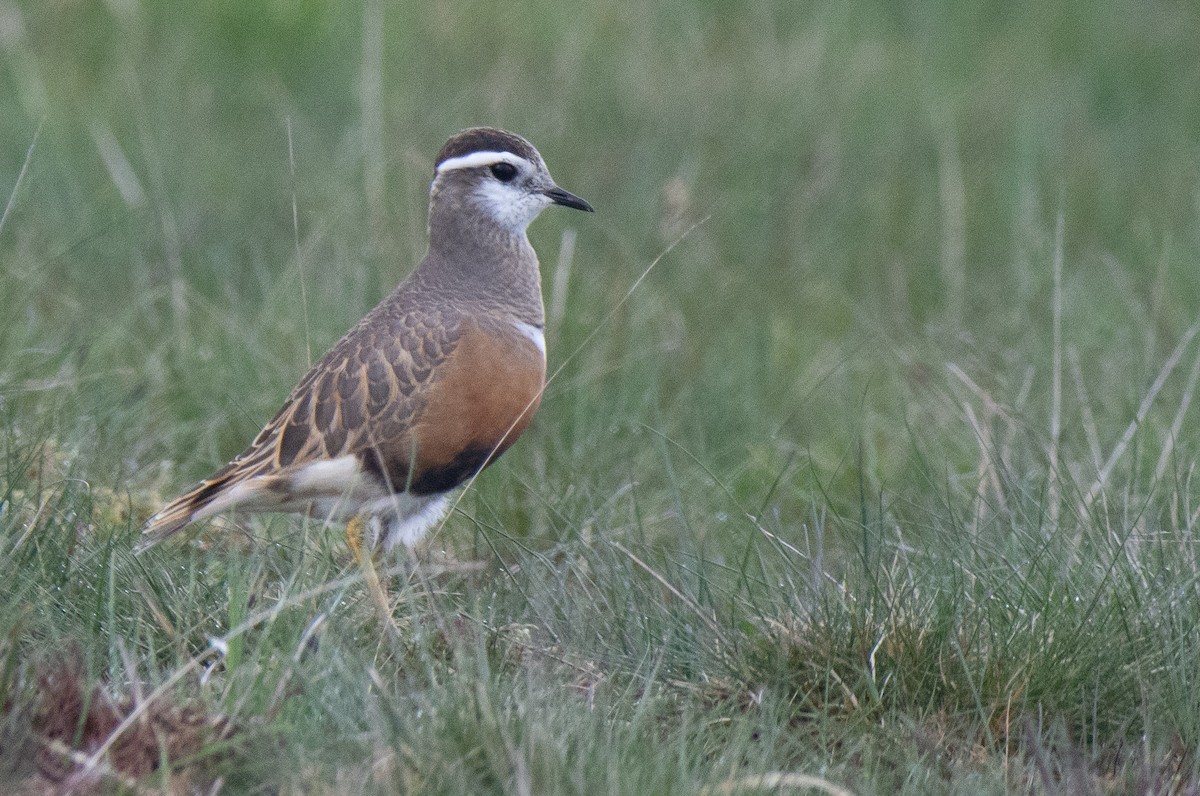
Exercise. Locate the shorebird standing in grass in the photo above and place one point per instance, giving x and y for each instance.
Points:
(430, 387)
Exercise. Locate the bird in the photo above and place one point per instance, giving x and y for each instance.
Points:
(430, 387)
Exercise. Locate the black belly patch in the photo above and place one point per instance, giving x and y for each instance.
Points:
(391, 472)
(442, 479)
(394, 475)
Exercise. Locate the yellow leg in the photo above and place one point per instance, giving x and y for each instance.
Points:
(354, 538)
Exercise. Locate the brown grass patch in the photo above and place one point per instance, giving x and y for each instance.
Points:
(70, 721)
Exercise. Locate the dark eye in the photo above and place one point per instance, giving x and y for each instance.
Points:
(504, 171)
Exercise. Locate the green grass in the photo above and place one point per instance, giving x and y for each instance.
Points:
(847, 489)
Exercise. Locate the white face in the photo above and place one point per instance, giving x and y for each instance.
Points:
(512, 196)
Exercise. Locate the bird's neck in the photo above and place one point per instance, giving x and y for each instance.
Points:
(490, 264)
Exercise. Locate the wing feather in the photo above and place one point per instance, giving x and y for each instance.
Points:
(361, 396)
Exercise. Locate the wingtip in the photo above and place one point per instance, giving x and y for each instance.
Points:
(144, 545)
(182, 511)
(163, 525)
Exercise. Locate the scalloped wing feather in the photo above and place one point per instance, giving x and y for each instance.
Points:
(362, 395)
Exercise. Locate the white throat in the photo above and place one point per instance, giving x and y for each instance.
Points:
(510, 206)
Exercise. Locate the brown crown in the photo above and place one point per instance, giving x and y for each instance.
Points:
(485, 139)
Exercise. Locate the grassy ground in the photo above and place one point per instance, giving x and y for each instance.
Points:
(881, 481)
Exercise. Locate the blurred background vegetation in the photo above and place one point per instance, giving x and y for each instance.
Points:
(878, 187)
(855, 328)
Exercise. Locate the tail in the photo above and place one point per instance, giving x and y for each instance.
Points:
(181, 512)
